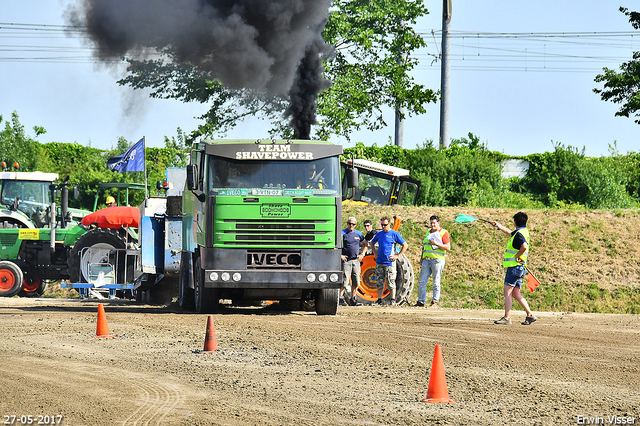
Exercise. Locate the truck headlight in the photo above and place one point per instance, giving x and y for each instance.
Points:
(214, 276)
(311, 277)
(333, 278)
(237, 276)
(322, 278)
(225, 276)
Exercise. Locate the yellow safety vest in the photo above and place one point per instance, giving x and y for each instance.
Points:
(509, 254)
(427, 249)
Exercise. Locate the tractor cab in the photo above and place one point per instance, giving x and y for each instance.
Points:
(379, 184)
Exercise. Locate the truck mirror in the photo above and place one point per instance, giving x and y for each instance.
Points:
(352, 177)
(192, 177)
(76, 193)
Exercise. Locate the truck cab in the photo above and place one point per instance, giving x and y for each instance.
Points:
(262, 221)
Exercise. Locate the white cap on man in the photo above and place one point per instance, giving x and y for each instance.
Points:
(352, 219)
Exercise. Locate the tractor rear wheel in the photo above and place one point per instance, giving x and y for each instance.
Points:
(404, 279)
(99, 242)
(11, 279)
(367, 292)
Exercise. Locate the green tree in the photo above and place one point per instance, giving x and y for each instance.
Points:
(17, 146)
(368, 36)
(373, 40)
(623, 87)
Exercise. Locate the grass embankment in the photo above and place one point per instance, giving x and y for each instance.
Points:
(587, 261)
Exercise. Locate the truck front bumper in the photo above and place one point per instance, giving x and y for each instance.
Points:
(227, 268)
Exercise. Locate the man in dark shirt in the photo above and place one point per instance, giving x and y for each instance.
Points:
(352, 242)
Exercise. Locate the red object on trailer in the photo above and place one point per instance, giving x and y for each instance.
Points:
(114, 217)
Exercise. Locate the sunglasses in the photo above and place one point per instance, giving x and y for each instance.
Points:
(350, 223)
(384, 224)
(367, 224)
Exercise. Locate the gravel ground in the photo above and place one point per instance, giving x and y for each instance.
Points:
(366, 365)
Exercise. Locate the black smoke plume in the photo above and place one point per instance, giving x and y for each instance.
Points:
(268, 45)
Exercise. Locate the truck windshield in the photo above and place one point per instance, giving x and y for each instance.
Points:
(32, 196)
(319, 177)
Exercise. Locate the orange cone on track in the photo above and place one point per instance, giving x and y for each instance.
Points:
(210, 341)
(102, 330)
(437, 391)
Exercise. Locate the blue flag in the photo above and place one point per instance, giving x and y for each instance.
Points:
(130, 161)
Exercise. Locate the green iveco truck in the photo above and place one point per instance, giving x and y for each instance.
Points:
(261, 220)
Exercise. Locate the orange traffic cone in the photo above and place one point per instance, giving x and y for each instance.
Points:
(102, 330)
(437, 391)
(210, 341)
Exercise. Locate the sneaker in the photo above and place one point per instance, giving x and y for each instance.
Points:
(419, 304)
(434, 304)
(529, 320)
(503, 321)
(378, 302)
(354, 302)
(342, 302)
(393, 303)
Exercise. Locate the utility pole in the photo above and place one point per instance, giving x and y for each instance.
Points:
(444, 75)
(399, 132)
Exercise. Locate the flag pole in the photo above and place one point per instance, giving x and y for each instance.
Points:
(144, 151)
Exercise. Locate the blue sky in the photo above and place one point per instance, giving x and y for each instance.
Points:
(521, 77)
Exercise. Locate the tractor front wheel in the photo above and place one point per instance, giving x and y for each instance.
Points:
(11, 279)
(33, 287)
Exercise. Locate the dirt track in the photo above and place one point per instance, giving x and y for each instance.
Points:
(364, 366)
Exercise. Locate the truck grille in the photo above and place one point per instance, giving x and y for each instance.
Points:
(281, 232)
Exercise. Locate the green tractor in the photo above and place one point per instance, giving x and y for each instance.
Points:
(36, 236)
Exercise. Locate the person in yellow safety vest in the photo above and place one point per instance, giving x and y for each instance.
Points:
(434, 247)
(515, 258)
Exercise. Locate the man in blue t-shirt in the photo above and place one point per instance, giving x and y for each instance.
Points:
(352, 253)
(385, 259)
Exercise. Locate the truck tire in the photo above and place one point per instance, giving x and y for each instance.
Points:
(11, 279)
(33, 287)
(102, 240)
(207, 300)
(327, 301)
(185, 293)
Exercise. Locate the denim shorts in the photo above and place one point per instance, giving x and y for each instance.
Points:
(514, 275)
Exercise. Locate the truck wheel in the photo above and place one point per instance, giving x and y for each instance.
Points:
(33, 287)
(207, 300)
(404, 279)
(10, 279)
(327, 301)
(185, 293)
(101, 241)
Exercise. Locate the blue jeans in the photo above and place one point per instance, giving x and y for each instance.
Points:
(430, 266)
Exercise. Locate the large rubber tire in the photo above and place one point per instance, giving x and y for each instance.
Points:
(185, 293)
(207, 300)
(367, 293)
(33, 287)
(327, 301)
(11, 279)
(404, 279)
(102, 240)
